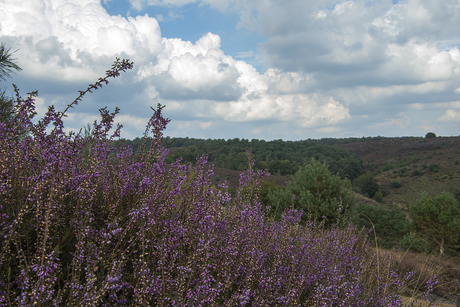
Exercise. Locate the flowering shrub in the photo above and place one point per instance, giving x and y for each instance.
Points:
(86, 224)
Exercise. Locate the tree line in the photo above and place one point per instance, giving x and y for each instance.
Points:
(278, 157)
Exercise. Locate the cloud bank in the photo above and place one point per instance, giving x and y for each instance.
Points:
(332, 68)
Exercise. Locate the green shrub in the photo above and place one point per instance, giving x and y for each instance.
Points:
(430, 135)
(265, 188)
(356, 190)
(390, 225)
(314, 190)
(367, 183)
(437, 218)
(378, 197)
(410, 242)
(434, 168)
(395, 184)
(388, 166)
(456, 162)
(457, 195)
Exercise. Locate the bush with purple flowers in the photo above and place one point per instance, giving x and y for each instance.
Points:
(84, 223)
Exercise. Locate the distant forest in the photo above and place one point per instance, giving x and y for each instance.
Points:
(278, 156)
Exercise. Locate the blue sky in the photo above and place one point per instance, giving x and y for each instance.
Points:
(192, 21)
(262, 69)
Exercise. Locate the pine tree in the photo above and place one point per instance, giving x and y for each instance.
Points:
(314, 190)
(7, 64)
(437, 218)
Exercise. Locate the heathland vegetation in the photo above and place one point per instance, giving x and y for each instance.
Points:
(87, 221)
(390, 172)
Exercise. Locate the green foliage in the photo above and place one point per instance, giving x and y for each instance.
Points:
(430, 135)
(340, 161)
(434, 168)
(286, 168)
(265, 188)
(377, 171)
(277, 156)
(395, 184)
(188, 154)
(437, 218)
(456, 162)
(389, 225)
(411, 242)
(378, 197)
(7, 66)
(6, 107)
(457, 195)
(314, 190)
(367, 184)
(388, 166)
(7, 62)
(356, 190)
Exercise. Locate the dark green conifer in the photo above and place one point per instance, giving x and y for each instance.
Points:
(314, 190)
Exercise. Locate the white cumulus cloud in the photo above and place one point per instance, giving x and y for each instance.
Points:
(64, 38)
(339, 67)
(450, 116)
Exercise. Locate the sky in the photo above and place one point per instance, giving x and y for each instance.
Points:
(254, 69)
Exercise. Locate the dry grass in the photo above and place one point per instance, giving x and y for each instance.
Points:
(446, 293)
(407, 301)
